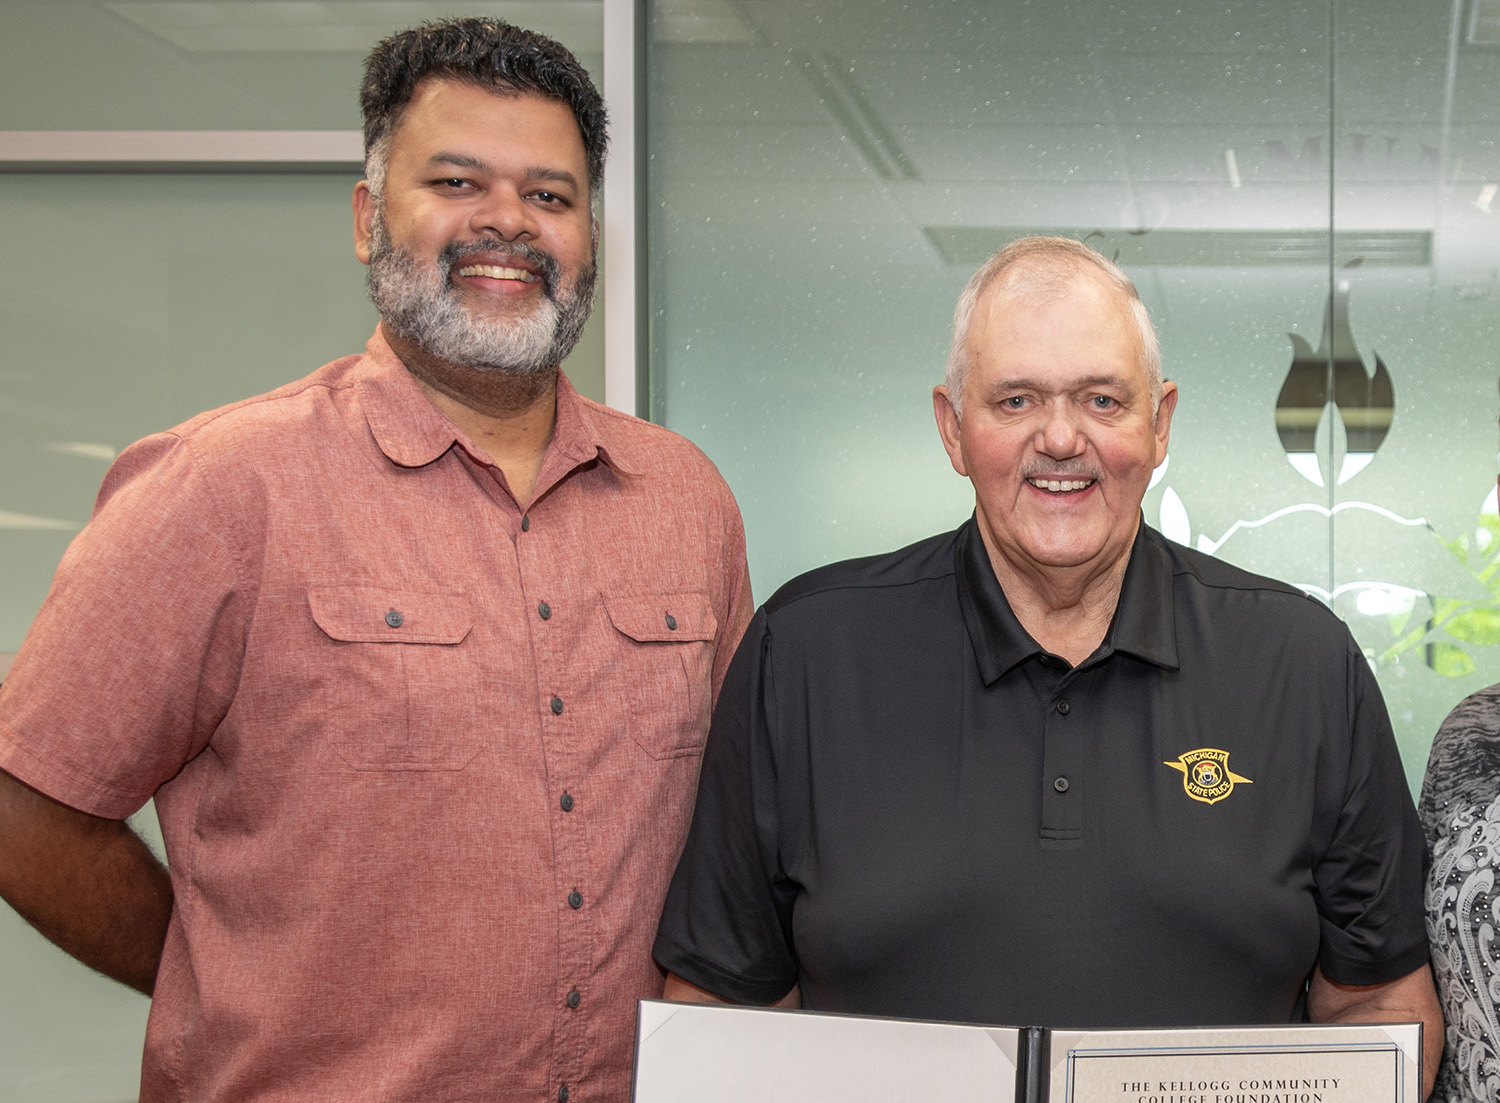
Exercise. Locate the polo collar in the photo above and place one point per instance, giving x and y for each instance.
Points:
(1143, 624)
(412, 432)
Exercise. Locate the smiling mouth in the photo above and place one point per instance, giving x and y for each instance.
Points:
(497, 272)
(1061, 486)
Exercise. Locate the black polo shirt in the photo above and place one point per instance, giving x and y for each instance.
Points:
(908, 808)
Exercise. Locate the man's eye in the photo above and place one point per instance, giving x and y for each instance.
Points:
(1014, 402)
(547, 197)
(1103, 402)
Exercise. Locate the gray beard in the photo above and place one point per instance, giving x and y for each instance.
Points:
(418, 303)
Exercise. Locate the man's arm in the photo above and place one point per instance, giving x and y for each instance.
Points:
(88, 884)
(1408, 999)
(684, 991)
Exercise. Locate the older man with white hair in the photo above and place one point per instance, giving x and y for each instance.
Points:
(1051, 769)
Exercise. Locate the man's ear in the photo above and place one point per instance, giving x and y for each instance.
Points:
(1164, 413)
(364, 220)
(950, 428)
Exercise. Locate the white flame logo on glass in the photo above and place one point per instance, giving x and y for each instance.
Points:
(1332, 381)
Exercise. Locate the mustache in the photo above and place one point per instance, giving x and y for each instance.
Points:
(1060, 469)
(456, 252)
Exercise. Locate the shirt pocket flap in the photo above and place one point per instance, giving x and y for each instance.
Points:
(665, 618)
(374, 614)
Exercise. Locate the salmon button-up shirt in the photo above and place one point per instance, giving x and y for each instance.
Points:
(423, 759)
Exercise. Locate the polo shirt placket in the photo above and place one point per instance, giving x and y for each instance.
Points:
(1063, 757)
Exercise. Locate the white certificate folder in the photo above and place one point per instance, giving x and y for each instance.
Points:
(711, 1052)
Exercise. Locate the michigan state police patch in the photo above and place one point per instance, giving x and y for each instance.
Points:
(1206, 775)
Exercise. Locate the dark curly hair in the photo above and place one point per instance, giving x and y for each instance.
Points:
(489, 53)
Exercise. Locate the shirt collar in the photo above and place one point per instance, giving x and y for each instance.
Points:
(412, 432)
(1143, 624)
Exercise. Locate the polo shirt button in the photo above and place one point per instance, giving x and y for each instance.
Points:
(394, 619)
(671, 622)
(557, 706)
(574, 999)
(567, 802)
(1060, 784)
(1063, 707)
(575, 899)
(544, 611)
(526, 527)
(562, 1094)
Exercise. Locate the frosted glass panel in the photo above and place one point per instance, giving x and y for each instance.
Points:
(130, 303)
(1414, 153)
(825, 176)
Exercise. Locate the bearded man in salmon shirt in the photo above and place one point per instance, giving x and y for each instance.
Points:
(429, 651)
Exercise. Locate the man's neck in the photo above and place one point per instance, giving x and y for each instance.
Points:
(510, 415)
(1066, 610)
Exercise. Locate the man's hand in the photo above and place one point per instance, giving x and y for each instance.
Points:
(1408, 999)
(89, 884)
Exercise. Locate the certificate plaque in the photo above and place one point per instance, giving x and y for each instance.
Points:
(1287, 1064)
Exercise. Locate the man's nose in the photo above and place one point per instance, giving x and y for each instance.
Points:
(506, 215)
(1058, 435)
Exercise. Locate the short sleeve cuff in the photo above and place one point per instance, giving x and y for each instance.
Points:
(734, 987)
(1360, 970)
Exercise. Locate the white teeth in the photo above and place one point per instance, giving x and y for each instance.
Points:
(1057, 485)
(495, 272)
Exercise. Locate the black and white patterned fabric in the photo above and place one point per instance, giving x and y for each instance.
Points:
(1460, 813)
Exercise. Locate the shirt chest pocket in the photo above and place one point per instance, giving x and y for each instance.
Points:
(399, 685)
(667, 643)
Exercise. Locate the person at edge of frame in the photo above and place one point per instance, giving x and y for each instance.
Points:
(1460, 813)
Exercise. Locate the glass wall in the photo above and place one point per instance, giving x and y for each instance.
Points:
(1302, 193)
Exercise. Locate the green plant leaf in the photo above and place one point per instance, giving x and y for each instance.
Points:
(1450, 660)
(1480, 625)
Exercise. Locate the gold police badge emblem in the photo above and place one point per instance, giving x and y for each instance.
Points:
(1206, 775)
